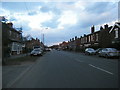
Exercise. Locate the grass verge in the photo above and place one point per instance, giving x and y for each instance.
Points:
(21, 60)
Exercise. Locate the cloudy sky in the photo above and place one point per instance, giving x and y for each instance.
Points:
(59, 21)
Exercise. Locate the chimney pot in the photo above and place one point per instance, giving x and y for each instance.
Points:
(106, 26)
(92, 29)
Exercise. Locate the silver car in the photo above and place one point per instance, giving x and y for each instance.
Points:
(89, 51)
(109, 52)
(36, 52)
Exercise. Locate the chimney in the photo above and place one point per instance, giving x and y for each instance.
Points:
(101, 28)
(106, 26)
(75, 37)
(92, 29)
(10, 24)
(72, 39)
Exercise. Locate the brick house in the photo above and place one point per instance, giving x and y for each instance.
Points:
(107, 36)
(30, 44)
(98, 39)
(12, 39)
(72, 44)
(90, 40)
(104, 37)
(63, 45)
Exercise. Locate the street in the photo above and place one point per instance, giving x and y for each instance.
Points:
(63, 69)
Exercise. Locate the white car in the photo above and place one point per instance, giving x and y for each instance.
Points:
(109, 52)
(36, 52)
(89, 51)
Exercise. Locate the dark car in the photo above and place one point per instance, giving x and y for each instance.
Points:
(89, 51)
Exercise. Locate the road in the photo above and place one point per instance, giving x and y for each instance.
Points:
(62, 69)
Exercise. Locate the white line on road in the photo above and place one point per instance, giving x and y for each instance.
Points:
(101, 69)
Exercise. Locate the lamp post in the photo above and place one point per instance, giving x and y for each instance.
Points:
(43, 37)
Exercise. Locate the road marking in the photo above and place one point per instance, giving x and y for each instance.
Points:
(101, 69)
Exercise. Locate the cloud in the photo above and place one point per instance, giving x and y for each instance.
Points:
(67, 18)
(64, 19)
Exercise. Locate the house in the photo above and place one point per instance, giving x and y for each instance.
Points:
(107, 36)
(96, 39)
(30, 44)
(104, 36)
(63, 45)
(90, 40)
(115, 35)
(72, 44)
(12, 39)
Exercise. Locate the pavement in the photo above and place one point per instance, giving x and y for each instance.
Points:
(59, 69)
(10, 74)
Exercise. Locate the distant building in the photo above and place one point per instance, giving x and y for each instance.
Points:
(30, 44)
(63, 45)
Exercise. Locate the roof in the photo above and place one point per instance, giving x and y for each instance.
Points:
(116, 24)
(13, 29)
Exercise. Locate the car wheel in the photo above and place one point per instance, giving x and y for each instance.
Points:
(88, 53)
(99, 55)
(106, 56)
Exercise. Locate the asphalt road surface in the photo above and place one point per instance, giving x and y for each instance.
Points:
(62, 69)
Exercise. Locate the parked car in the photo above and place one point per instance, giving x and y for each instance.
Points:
(97, 51)
(89, 51)
(36, 52)
(48, 49)
(109, 52)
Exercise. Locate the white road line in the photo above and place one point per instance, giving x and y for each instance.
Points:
(101, 69)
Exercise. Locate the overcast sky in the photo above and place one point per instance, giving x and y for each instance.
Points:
(59, 21)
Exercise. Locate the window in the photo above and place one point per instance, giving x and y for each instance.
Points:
(85, 39)
(92, 37)
(97, 37)
(14, 46)
(89, 38)
(116, 33)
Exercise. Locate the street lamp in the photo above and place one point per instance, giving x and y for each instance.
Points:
(43, 36)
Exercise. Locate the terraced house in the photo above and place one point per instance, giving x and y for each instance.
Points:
(107, 36)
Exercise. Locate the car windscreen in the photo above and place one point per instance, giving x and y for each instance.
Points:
(90, 49)
(113, 49)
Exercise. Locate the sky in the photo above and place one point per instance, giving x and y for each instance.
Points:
(59, 21)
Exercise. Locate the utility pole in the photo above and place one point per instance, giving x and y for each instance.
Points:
(43, 38)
